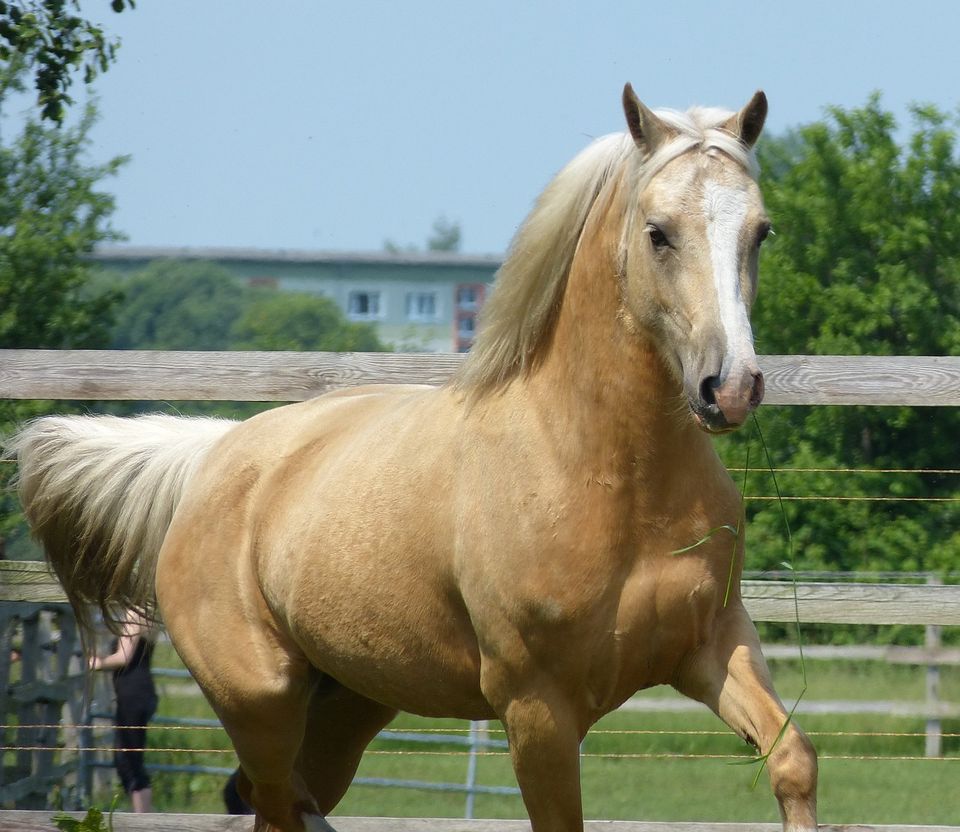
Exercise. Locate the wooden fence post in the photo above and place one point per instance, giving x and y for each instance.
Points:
(934, 728)
(36, 701)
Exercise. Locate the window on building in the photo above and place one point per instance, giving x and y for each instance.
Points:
(465, 327)
(467, 297)
(363, 305)
(422, 306)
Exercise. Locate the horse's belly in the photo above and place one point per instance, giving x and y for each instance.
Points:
(371, 601)
(406, 648)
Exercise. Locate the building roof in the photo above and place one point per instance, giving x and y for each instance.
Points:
(262, 255)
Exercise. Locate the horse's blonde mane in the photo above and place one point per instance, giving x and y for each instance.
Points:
(528, 288)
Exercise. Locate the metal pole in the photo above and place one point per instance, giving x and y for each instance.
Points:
(934, 730)
(475, 731)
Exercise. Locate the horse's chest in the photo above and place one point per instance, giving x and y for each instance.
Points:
(639, 639)
(665, 615)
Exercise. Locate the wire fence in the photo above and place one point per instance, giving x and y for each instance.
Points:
(452, 735)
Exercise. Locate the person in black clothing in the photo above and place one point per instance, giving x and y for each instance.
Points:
(136, 705)
(235, 804)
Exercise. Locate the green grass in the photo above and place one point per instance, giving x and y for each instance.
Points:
(633, 786)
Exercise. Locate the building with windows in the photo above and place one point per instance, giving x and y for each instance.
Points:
(418, 302)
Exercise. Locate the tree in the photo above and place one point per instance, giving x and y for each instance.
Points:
(52, 211)
(866, 260)
(302, 322)
(198, 305)
(49, 38)
(445, 236)
(178, 305)
(52, 214)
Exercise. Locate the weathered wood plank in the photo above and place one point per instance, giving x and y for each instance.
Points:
(34, 821)
(806, 707)
(31, 581)
(825, 603)
(866, 652)
(36, 783)
(16, 821)
(294, 376)
(862, 380)
(819, 603)
(207, 376)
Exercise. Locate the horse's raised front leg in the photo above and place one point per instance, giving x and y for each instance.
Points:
(729, 674)
(544, 737)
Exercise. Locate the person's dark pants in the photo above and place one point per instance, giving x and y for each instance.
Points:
(131, 733)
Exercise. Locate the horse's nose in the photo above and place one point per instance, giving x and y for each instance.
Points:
(735, 397)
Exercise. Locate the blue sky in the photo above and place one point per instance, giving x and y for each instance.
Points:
(337, 125)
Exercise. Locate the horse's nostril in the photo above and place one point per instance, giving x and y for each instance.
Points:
(756, 394)
(707, 388)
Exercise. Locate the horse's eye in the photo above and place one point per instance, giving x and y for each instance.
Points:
(763, 233)
(657, 238)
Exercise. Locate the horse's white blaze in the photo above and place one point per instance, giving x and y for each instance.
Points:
(726, 211)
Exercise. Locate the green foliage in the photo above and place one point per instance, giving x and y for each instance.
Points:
(867, 228)
(173, 305)
(445, 236)
(197, 305)
(866, 260)
(94, 821)
(51, 40)
(52, 214)
(302, 322)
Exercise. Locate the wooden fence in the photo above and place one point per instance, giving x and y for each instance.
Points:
(40, 822)
(285, 376)
(293, 376)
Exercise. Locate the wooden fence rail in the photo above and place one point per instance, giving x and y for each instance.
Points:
(778, 601)
(294, 376)
(40, 822)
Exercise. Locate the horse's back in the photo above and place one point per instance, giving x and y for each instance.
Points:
(356, 454)
(312, 430)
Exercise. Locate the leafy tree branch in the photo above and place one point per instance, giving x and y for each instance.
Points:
(52, 41)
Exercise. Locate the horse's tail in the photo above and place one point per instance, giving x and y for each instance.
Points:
(99, 493)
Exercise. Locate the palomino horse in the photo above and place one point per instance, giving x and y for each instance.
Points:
(515, 544)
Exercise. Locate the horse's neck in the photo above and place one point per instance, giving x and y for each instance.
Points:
(603, 382)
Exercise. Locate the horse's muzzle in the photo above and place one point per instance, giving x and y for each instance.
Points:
(725, 405)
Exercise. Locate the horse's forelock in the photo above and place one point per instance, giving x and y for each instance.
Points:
(703, 128)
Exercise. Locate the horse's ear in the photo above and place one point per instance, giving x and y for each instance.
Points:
(647, 130)
(748, 123)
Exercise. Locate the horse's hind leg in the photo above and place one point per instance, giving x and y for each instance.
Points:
(263, 708)
(340, 725)
(266, 727)
(729, 674)
(257, 681)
